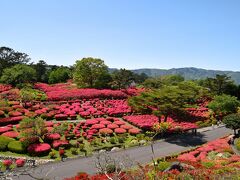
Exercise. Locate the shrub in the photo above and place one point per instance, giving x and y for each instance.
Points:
(39, 149)
(134, 131)
(51, 137)
(4, 141)
(11, 134)
(163, 165)
(208, 164)
(74, 151)
(112, 126)
(105, 131)
(59, 143)
(120, 130)
(5, 129)
(16, 146)
(52, 155)
(20, 162)
(7, 162)
(238, 144)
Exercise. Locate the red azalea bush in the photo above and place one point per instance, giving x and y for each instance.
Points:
(11, 134)
(14, 113)
(112, 126)
(5, 87)
(105, 131)
(134, 131)
(39, 149)
(120, 130)
(59, 143)
(54, 136)
(20, 162)
(5, 129)
(7, 162)
(62, 92)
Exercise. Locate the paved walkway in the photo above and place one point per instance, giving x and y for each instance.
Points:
(143, 154)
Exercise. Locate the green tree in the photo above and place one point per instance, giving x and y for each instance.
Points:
(166, 80)
(31, 128)
(9, 58)
(169, 100)
(224, 104)
(41, 69)
(218, 85)
(89, 71)
(122, 78)
(18, 74)
(61, 74)
(232, 121)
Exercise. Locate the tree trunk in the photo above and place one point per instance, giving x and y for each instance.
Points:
(165, 118)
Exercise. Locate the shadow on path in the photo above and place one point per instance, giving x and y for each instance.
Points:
(186, 140)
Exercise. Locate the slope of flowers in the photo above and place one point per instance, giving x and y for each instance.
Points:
(62, 92)
(4, 87)
(147, 122)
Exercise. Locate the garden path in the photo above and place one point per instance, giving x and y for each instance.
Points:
(142, 154)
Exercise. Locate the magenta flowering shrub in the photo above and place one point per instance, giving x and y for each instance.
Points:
(63, 92)
(5, 87)
(39, 149)
(11, 134)
(20, 162)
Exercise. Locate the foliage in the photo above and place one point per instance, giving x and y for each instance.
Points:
(237, 143)
(232, 121)
(4, 141)
(162, 102)
(122, 78)
(61, 74)
(10, 57)
(163, 165)
(32, 128)
(16, 146)
(219, 84)
(224, 104)
(29, 94)
(41, 69)
(208, 164)
(18, 74)
(89, 71)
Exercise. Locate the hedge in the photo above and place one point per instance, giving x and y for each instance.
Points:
(4, 141)
(16, 146)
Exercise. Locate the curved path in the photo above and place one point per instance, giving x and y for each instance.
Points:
(142, 154)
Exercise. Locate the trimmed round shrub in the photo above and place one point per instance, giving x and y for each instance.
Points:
(20, 162)
(14, 114)
(39, 149)
(5, 129)
(119, 122)
(98, 126)
(120, 130)
(49, 124)
(105, 122)
(134, 131)
(4, 141)
(51, 137)
(16, 146)
(112, 126)
(11, 134)
(105, 131)
(91, 121)
(127, 127)
(59, 143)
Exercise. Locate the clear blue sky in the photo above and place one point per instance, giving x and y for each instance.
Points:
(125, 33)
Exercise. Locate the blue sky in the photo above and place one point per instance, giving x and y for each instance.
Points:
(125, 33)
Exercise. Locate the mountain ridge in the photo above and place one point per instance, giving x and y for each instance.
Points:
(187, 72)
